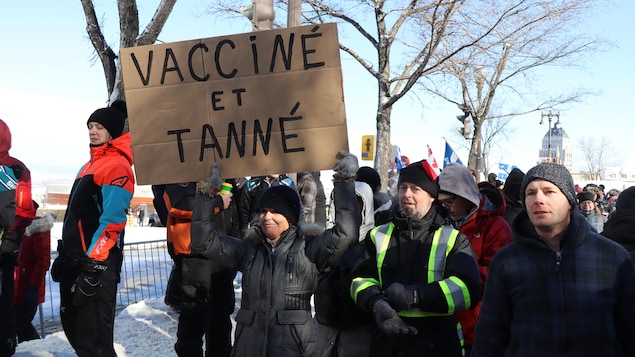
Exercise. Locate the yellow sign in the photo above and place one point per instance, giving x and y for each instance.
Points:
(368, 147)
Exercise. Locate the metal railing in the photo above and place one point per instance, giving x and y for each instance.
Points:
(144, 275)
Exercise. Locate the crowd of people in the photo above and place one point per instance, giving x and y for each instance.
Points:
(445, 266)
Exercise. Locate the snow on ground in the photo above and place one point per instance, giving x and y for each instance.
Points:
(147, 328)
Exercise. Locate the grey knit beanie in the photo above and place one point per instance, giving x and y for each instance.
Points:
(554, 173)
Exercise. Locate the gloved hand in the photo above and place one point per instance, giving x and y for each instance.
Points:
(9, 248)
(211, 186)
(88, 284)
(402, 297)
(388, 321)
(18, 170)
(347, 166)
(31, 295)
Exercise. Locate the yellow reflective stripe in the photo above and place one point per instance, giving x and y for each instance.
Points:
(442, 243)
(359, 284)
(422, 314)
(434, 261)
(456, 294)
(381, 238)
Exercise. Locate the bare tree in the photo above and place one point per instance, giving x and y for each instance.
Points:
(439, 42)
(597, 156)
(526, 35)
(129, 37)
(407, 39)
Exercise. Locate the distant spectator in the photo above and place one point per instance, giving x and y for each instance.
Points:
(34, 260)
(384, 206)
(620, 225)
(312, 197)
(586, 200)
(493, 179)
(511, 191)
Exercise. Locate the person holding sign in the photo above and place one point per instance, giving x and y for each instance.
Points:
(90, 252)
(279, 261)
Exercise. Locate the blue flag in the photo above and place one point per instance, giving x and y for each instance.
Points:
(399, 164)
(450, 156)
(504, 170)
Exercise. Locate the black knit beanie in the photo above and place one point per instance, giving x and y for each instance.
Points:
(586, 196)
(370, 176)
(512, 184)
(111, 118)
(626, 200)
(416, 174)
(554, 173)
(284, 200)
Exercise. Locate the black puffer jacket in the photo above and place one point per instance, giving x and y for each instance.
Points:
(277, 284)
(620, 227)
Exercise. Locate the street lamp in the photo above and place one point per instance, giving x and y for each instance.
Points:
(480, 75)
(549, 118)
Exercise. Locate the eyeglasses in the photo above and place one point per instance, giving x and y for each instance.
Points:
(447, 203)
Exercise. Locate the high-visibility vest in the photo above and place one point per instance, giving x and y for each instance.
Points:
(454, 289)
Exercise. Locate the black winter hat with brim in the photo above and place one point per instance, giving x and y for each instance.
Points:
(284, 200)
(416, 174)
(554, 173)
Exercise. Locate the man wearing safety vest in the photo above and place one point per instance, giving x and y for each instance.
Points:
(416, 274)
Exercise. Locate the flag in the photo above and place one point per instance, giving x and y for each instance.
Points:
(558, 160)
(399, 164)
(504, 170)
(450, 156)
(430, 165)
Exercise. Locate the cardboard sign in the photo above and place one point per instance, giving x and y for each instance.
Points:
(258, 103)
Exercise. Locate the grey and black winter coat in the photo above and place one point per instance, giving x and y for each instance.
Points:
(277, 284)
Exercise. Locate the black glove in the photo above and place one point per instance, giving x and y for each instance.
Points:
(211, 186)
(347, 166)
(402, 297)
(388, 321)
(88, 284)
(9, 249)
(31, 295)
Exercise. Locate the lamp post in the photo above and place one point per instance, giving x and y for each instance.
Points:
(549, 117)
(479, 77)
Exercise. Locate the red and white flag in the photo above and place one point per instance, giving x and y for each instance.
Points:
(430, 165)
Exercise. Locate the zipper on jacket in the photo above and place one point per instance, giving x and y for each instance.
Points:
(558, 260)
(290, 268)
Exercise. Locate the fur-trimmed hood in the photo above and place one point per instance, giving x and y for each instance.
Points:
(40, 225)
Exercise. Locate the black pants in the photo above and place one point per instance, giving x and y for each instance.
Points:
(90, 328)
(208, 302)
(7, 310)
(24, 328)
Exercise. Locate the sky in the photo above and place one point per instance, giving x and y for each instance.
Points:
(50, 82)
